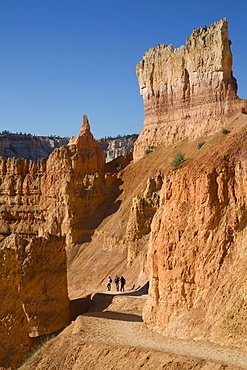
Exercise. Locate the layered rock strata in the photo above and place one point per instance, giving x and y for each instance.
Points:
(58, 195)
(45, 208)
(197, 251)
(187, 92)
(28, 146)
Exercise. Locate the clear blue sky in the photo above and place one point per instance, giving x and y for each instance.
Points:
(61, 59)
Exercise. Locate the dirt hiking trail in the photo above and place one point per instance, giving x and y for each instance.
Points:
(110, 335)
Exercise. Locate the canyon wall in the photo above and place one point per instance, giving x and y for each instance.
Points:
(44, 209)
(189, 91)
(197, 251)
(33, 291)
(28, 146)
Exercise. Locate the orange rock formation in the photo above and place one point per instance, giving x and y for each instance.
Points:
(44, 209)
(197, 250)
(33, 291)
(189, 91)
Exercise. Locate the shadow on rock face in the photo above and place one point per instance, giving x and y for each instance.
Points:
(115, 316)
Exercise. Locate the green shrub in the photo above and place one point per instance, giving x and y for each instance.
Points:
(225, 131)
(149, 149)
(199, 145)
(177, 159)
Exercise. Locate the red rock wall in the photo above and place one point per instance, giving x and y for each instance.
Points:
(33, 291)
(197, 253)
(44, 209)
(187, 91)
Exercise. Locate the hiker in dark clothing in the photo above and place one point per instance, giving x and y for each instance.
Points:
(116, 281)
(122, 283)
(109, 281)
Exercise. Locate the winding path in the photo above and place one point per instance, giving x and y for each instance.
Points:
(110, 335)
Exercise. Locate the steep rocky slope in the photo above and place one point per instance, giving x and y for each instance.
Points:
(91, 339)
(197, 250)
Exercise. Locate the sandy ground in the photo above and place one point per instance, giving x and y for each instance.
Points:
(111, 335)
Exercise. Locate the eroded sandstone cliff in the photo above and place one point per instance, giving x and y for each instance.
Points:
(189, 91)
(197, 250)
(44, 209)
(33, 291)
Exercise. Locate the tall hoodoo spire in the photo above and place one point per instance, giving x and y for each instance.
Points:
(85, 125)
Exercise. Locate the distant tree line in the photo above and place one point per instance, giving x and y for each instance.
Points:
(130, 136)
(7, 132)
(125, 137)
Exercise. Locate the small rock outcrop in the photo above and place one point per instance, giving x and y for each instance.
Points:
(118, 147)
(144, 208)
(189, 91)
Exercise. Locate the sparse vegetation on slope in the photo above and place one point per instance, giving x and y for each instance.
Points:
(178, 159)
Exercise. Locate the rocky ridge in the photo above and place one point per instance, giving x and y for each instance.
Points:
(36, 147)
(28, 146)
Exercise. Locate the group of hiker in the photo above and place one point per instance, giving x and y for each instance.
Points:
(119, 281)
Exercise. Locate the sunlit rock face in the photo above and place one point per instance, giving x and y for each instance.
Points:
(187, 91)
(44, 209)
(33, 291)
(197, 251)
(73, 186)
(54, 195)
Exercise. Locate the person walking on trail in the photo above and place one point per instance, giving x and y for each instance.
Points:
(122, 283)
(109, 281)
(116, 281)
